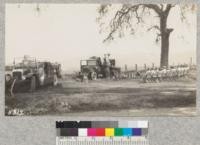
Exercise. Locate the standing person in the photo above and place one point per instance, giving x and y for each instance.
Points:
(106, 68)
(147, 76)
(164, 73)
(168, 74)
(159, 74)
(9, 85)
(85, 77)
(154, 74)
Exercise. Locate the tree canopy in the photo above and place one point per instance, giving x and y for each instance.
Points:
(126, 15)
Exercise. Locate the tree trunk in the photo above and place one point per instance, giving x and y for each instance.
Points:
(165, 33)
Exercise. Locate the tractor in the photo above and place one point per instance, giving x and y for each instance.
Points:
(94, 68)
(30, 74)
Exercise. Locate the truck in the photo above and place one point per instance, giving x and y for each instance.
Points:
(29, 74)
(95, 68)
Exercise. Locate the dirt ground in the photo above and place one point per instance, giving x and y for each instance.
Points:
(108, 98)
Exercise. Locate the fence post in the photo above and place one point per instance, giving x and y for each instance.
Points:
(136, 68)
(145, 67)
(190, 65)
(126, 68)
(153, 65)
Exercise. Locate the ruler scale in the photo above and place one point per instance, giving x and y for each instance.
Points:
(102, 133)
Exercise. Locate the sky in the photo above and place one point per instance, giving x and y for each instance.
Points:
(68, 33)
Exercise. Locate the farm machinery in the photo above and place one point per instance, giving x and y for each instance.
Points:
(94, 68)
(29, 74)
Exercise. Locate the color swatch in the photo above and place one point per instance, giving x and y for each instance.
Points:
(102, 128)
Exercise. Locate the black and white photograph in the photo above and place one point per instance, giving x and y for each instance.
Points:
(100, 59)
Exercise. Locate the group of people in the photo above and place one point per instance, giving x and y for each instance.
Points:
(165, 74)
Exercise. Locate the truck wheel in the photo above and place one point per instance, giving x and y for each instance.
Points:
(55, 80)
(33, 84)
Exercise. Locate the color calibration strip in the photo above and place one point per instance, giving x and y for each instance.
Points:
(102, 133)
(102, 128)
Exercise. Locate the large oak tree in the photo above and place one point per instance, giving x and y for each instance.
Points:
(124, 15)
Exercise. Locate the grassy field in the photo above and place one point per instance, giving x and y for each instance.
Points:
(109, 98)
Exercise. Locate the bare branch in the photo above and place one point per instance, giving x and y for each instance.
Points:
(137, 16)
(154, 7)
(123, 17)
(158, 37)
(168, 8)
(161, 6)
(154, 27)
(109, 37)
(103, 9)
(185, 8)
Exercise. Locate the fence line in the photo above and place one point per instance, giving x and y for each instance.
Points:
(139, 73)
